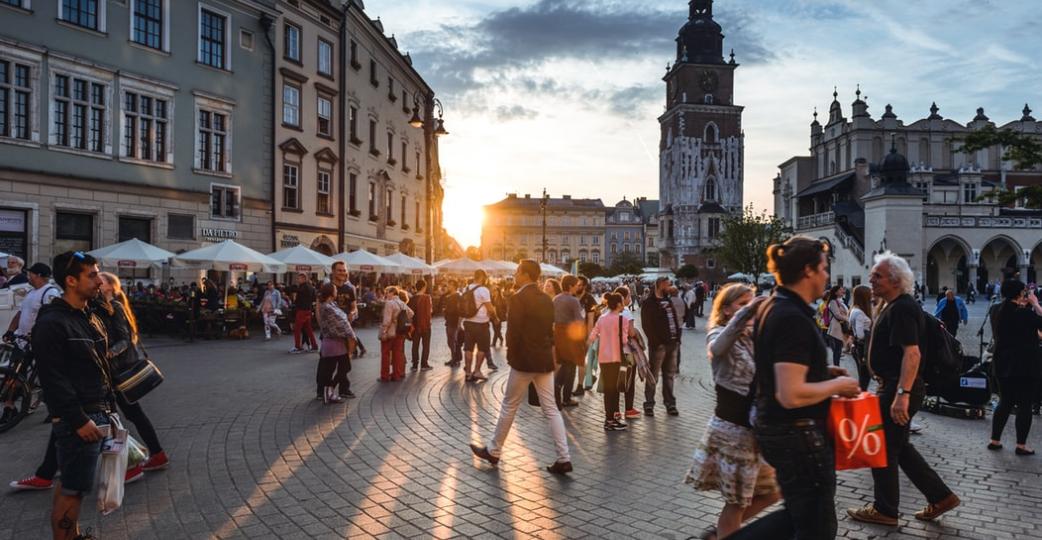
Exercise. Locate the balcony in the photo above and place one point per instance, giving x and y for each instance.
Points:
(814, 221)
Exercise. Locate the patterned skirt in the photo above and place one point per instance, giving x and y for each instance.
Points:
(727, 460)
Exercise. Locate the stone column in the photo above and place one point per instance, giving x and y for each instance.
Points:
(973, 277)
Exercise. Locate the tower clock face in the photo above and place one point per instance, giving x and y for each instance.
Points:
(708, 80)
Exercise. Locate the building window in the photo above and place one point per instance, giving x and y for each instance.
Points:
(714, 228)
(325, 116)
(83, 13)
(15, 97)
(325, 57)
(79, 113)
(15, 3)
(148, 23)
(323, 193)
(390, 148)
(135, 227)
(212, 39)
(73, 232)
(419, 222)
(625, 248)
(290, 105)
(212, 141)
(390, 205)
(390, 90)
(145, 127)
(246, 39)
(290, 186)
(224, 201)
(354, 56)
(710, 190)
(372, 73)
(614, 249)
(352, 193)
(180, 227)
(419, 171)
(403, 210)
(352, 124)
(405, 150)
(372, 138)
(291, 42)
(372, 200)
(969, 192)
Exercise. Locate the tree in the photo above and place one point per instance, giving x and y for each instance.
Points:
(626, 262)
(745, 238)
(591, 270)
(688, 271)
(1020, 148)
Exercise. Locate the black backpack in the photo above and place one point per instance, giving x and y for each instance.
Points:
(403, 326)
(941, 354)
(468, 305)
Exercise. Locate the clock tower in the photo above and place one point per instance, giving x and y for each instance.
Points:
(702, 147)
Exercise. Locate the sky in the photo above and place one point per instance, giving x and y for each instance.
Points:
(565, 94)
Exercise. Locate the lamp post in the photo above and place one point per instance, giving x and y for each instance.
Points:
(542, 208)
(432, 128)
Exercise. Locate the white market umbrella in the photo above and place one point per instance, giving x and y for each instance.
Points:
(363, 261)
(551, 270)
(302, 259)
(412, 265)
(500, 268)
(230, 256)
(464, 265)
(132, 253)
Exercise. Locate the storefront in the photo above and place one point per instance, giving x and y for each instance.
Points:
(14, 232)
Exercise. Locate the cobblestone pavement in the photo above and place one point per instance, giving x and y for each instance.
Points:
(254, 455)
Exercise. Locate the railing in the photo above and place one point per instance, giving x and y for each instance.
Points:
(850, 242)
(816, 220)
(983, 222)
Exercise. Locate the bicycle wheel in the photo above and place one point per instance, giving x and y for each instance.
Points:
(15, 399)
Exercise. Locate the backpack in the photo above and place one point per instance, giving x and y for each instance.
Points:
(403, 325)
(450, 305)
(941, 355)
(468, 307)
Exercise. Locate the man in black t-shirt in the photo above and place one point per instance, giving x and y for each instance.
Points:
(793, 386)
(896, 359)
(661, 324)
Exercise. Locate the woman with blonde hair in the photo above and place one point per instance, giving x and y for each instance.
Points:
(392, 335)
(727, 459)
(861, 326)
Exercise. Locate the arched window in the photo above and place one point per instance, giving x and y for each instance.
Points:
(712, 134)
(710, 189)
(709, 99)
(924, 152)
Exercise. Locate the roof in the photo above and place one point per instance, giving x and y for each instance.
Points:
(532, 203)
(829, 184)
(648, 209)
(711, 208)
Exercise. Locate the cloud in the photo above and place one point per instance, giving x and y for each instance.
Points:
(516, 112)
(458, 58)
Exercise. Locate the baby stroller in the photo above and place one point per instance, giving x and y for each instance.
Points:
(970, 394)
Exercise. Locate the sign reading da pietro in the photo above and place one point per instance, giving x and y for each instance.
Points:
(218, 235)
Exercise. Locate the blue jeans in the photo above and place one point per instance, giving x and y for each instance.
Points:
(805, 465)
(77, 459)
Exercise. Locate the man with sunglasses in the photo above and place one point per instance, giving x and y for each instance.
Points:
(70, 346)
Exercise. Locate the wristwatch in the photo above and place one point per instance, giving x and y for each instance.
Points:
(902, 391)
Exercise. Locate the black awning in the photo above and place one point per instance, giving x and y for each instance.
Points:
(826, 185)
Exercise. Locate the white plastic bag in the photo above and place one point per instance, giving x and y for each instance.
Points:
(136, 453)
(113, 470)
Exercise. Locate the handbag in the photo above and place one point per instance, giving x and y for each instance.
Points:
(113, 468)
(625, 364)
(856, 425)
(844, 326)
(140, 378)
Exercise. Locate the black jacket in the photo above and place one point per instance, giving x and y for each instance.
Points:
(121, 353)
(530, 331)
(70, 346)
(655, 322)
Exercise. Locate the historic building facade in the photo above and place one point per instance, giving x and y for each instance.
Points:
(845, 193)
(513, 229)
(632, 227)
(131, 119)
(701, 150)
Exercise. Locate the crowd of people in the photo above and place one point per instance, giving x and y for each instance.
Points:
(769, 355)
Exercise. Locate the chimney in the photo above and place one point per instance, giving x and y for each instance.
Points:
(511, 195)
(528, 196)
(567, 197)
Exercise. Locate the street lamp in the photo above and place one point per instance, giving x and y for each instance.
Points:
(417, 121)
(542, 207)
(431, 132)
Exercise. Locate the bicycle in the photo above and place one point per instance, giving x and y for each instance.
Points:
(19, 385)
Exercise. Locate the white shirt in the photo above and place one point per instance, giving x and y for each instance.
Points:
(481, 297)
(31, 305)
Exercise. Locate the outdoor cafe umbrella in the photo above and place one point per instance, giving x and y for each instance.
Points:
(412, 265)
(302, 259)
(501, 268)
(132, 253)
(363, 261)
(464, 265)
(551, 270)
(230, 256)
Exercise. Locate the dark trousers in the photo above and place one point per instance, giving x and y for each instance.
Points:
(631, 388)
(1019, 392)
(864, 375)
(663, 359)
(610, 374)
(564, 382)
(803, 460)
(332, 371)
(689, 317)
(419, 336)
(900, 453)
(497, 332)
(699, 307)
(837, 348)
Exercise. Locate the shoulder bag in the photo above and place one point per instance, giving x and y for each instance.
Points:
(140, 378)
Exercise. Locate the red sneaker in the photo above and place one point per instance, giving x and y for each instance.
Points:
(32, 483)
(156, 462)
(133, 475)
(632, 413)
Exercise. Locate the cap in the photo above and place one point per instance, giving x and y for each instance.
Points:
(41, 270)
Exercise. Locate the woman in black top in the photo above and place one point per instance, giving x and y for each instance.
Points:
(1017, 366)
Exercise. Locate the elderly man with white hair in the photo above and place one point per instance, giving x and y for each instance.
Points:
(895, 357)
(15, 272)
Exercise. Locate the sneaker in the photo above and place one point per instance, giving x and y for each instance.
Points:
(672, 411)
(87, 535)
(934, 511)
(483, 453)
(133, 475)
(32, 483)
(869, 514)
(915, 427)
(649, 412)
(620, 424)
(560, 467)
(347, 394)
(426, 367)
(613, 426)
(295, 350)
(632, 413)
(156, 462)
(414, 368)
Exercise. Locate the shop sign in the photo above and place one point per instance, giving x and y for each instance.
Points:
(218, 235)
(237, 267)
(303, 268)
(366, 268)
(289, 240)
(12, 221)
(126, 264)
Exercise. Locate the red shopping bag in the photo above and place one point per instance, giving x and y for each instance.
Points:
(856, 425)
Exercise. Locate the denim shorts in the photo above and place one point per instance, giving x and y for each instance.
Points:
(77, 459)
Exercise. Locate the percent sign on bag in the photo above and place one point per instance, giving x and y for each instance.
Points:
(857, 430)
